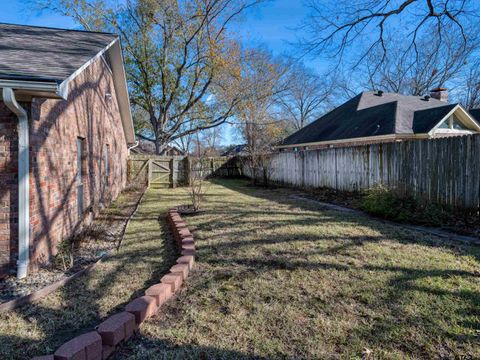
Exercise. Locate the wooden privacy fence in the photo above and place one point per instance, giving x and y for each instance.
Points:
(444, 171)
(172, 171)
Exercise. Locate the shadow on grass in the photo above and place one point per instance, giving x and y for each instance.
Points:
(281, 196)
(259, 251)
(147, 252)
(164, 349)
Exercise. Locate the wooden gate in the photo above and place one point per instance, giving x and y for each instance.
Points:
(171, 171)
(158, 171)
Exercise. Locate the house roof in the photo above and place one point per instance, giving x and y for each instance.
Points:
(236, 150)
(47, 54)
(369, 114)
(42, 61)
(475, 113)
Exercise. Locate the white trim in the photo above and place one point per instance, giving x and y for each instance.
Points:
(359, 139)
(28, 85)
(133, 146)
(107, 65)
(121, 91)
(119, 81)
(464, 118)
(23, 182)
(453, 132)
(52, 89)
(63, 88)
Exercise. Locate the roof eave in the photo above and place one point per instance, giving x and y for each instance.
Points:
(119, 81)
(60, 90)
(48, 89)
(121, 89)
(358, 139)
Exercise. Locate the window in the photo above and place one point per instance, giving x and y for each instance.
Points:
(444, 125)
(457, 125)
(453, 123)
(80, 171)
(106, 163)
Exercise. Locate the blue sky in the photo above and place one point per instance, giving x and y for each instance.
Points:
(271, 26)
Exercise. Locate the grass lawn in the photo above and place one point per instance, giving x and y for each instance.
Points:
(281, 278)
(147, 252)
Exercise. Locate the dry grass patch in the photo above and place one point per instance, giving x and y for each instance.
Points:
(280, 278)
(146, 253)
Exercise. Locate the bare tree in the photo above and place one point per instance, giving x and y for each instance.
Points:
(257, 122)
(198, 186)
(185, 143)
(416, 74)
(209, 141)
(179, 57)
(305, 97)
(338, 26)
(468, 93)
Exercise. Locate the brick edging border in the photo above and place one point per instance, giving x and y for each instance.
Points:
(101, 343)
(64, 280)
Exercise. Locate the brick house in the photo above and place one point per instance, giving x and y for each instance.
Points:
(377, 117)
(65, 126)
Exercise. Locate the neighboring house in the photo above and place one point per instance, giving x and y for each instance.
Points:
(173, 151)
(475, 113)
(147, 147)
(375, 117)
(65, 128)
(237, 150)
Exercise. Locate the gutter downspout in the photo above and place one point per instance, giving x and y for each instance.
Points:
(133, 146)
(23, 182)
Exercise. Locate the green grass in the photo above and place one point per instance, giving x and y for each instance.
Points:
(147, 252)
(280, 278)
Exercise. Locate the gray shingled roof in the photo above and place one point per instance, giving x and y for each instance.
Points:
(236, 150)
(39, 53)
(369, 114)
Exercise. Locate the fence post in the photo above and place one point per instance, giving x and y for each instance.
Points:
(149, 172)
(173, 172)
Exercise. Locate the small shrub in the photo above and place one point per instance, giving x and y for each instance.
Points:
(63, 260)
(385, 203)
(197, 187)
(379, 201)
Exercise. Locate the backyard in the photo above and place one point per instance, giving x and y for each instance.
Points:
(280, 278)
(275, 277)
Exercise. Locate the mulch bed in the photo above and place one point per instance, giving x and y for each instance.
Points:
(464, 224)
(96, 240)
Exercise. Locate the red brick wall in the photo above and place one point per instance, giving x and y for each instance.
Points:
(55, 126)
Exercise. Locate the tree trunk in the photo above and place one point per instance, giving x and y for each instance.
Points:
(160, 146)
(157, 146)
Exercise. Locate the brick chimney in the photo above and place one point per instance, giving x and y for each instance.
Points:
(439, 93)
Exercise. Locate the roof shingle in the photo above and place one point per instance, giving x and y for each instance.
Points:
(369, 114)
(475, 113)
(48, 54)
